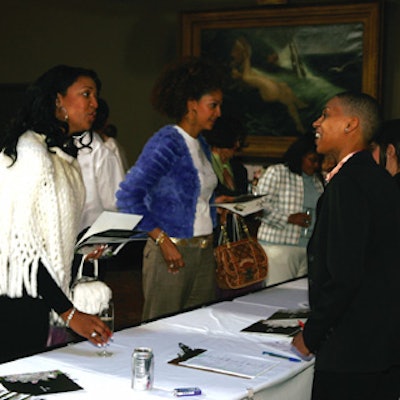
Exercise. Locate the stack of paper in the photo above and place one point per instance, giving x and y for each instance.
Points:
(283, 323)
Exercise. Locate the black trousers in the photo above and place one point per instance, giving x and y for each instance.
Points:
(24, 327)
(383, 385)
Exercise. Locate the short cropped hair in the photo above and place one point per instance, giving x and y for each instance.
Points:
(366, 108)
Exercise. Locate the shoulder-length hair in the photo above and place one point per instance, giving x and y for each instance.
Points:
(38, 110)
(293, 157)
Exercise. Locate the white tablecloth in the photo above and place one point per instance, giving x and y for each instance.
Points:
(216, 327)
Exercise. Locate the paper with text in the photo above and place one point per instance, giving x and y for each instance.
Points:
(232, 364)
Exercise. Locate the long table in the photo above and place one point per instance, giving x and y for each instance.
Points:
(215, 327)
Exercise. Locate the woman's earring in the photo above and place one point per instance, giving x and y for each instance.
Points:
(65, 114)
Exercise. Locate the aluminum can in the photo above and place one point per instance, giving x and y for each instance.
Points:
(142, 368)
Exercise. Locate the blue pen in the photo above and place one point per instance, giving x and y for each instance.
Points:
(293, 359)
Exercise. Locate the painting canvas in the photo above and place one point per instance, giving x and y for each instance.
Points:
(282, 70)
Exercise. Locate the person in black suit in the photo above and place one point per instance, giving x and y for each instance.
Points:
(354, 271)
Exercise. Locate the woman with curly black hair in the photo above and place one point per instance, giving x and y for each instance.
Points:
(172, 185)
(41, 198)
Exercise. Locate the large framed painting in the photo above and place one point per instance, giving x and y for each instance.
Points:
(284, 62)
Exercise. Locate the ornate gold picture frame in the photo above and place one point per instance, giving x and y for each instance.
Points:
(284, 62)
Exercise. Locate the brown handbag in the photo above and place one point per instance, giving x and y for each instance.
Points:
(242, 262)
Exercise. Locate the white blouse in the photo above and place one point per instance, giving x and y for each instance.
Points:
(208, 182)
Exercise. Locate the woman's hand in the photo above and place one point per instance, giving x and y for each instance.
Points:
(298, 343)
(223, 212)
(172, 256)
(301, 219)
(89, 326)
(96, 253)
(224, 199)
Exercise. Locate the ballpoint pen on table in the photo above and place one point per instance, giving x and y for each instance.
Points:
(293, 359)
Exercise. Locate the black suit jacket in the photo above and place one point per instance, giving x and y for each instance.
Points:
(354, 271)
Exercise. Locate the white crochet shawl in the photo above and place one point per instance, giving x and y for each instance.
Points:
(41, 199)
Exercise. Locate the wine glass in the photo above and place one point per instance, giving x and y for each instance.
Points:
(106, 314)
(307, 211)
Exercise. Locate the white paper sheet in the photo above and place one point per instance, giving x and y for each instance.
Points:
(109, 220)
(231, 364)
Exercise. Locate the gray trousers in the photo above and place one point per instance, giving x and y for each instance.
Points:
(165, 293)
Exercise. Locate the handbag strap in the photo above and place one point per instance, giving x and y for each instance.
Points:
(244, 227)
(223, 235)
(236, 228)
(240, 231)
(95, 268)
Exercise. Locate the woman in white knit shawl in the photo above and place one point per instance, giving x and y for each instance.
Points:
(41, 198)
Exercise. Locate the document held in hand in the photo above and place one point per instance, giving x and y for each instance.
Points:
(244, 205)
(112, 227)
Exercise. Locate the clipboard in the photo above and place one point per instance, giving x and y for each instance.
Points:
(186, 356)
(255, 365)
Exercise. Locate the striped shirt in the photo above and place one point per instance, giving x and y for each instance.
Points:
(284, 192)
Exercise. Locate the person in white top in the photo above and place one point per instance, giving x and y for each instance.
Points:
(109, 136)
(102, 174)
(101, 170)
(41, 196)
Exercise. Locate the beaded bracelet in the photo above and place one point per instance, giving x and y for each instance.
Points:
(160, 238)
(70, 316)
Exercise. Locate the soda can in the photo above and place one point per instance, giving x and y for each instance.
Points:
(142, 368)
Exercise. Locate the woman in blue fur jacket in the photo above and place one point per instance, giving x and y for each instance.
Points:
(172, 185)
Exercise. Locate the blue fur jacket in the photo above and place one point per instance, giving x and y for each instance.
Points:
(163, 185)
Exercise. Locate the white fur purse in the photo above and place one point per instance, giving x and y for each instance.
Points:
(89, 293)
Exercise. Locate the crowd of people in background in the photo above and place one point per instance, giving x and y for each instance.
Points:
(331, 211)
